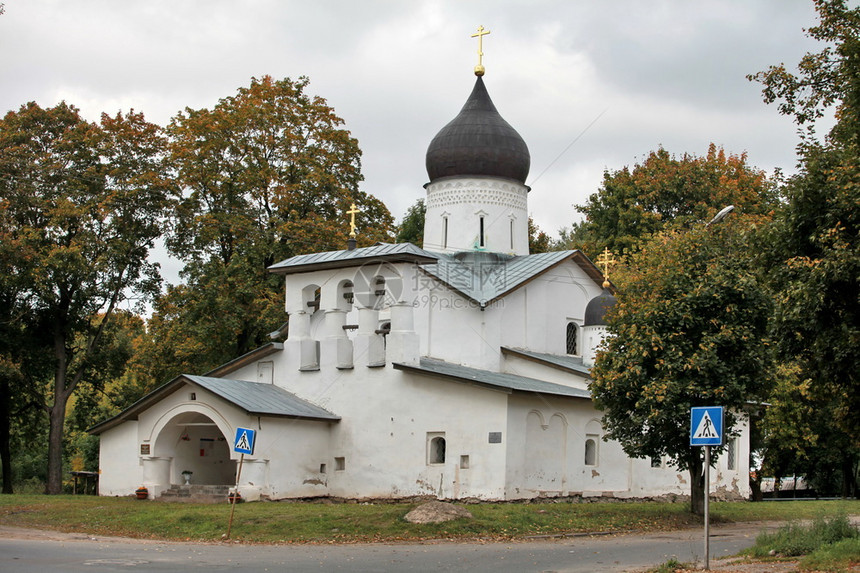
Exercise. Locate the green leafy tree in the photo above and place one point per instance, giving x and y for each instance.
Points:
(110, 387)
(539, 242)
(106, 391)
(81, 206)
(688, 330)
(411, 229)
(13, 393)
(665, 190)
(266, 174)
(23, 363)
(814, 255)
(801, 438)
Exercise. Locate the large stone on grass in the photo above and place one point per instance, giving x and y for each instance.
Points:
(437, 512)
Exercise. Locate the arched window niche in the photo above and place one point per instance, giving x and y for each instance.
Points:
(593, 430)
(436, 447)
(571, 338)
(591, 449)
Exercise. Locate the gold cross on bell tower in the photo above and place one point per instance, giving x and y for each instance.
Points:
(605, 259)
(353, 210)
(479, 69)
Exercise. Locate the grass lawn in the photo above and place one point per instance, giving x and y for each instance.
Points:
(303, 522)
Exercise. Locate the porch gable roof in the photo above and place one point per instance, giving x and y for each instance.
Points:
(255, 398)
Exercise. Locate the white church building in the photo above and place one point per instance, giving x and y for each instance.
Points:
(458, 371)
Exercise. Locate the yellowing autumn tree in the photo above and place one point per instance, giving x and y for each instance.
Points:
(663, 191)
(266, 174)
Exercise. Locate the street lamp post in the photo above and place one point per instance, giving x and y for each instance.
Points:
(721, 215)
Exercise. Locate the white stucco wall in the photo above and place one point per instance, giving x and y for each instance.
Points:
(119, 463)
(387, 417)
(291, 453)
(548, 458)
(382, 438)
(455, 329)
(568, 423)
(535, 317)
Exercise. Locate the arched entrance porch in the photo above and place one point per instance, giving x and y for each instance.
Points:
(194, 443)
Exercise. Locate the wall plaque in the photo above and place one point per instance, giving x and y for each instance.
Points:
(495, 437)
(144, 449)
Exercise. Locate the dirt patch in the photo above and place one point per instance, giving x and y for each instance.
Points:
(739, 565)
(734, 565)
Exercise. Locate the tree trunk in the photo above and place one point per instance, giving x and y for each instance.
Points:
(5, 427)
(755, 486)
(57, 416)
(697, 485)
(849, 478)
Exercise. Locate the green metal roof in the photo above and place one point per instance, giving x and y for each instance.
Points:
(495, 380)
(392, 253)
(254, 398)
(564, 362)
(484, 277)
(262, 399)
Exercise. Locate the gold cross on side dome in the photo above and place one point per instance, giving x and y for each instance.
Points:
(353, 210)
(479, 69)
(605, 259)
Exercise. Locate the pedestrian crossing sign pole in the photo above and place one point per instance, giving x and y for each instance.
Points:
(244, 443)
(707, 425)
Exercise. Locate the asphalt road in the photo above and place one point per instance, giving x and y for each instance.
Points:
(30, 551)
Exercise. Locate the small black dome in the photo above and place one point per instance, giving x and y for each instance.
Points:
(478, 142)
(595, 311)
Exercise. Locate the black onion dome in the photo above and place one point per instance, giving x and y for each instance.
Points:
(478, 142)
(596, 309)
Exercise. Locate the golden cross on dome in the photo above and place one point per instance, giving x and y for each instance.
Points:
(605, 259)
(352, 212)
(479, 69)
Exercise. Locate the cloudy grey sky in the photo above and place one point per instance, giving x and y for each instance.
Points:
(614, 78)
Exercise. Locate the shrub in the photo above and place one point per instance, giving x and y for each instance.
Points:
(833, 557)
(796, 539)
(669, 566)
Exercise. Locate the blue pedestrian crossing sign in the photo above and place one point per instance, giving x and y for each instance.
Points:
(707, 426)
(244, 442)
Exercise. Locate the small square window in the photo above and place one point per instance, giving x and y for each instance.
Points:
(464, 462)
(339, 464)
(192, 396)
(322, 468)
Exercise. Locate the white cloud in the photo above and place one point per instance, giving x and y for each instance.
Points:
(667, 72)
